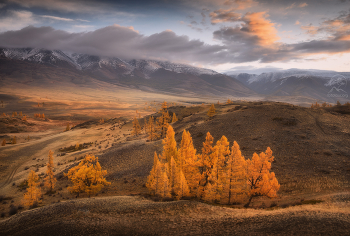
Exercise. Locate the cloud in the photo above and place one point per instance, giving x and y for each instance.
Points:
(115, 41)
(297, 22)
(294, 5)
(223, 15)
(255, 29)
(77, 6)
(57, 18)
(14, 20)
(254, 40)
(241, 4)
(310, 29)
(252, 69)
(338, 27)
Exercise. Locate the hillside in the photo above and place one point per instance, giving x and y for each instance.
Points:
(311, 163)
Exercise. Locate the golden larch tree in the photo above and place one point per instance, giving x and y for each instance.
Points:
(177, 181)
(24, 118)
(234, 178)
(215, 187)
(152, 135)
(20, 113)
(33, 193)
(211, 191)
(162, 121)
(3, 142)
(261, 182)
(205, 163)
(67, 127)
(152, 181)
(145, 125)
(169, 146)
(50, 180)
(211, 111)
(157, 181)
(77, 146)
(136, 128)
(174, 118)
(14, 140)
(87, 177)
(189, 163)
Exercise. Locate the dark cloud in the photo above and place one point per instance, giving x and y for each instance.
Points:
(114, 41)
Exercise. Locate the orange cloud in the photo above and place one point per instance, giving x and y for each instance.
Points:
(303, 5)
(262, 28)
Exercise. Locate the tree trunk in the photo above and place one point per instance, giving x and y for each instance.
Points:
(248, 203)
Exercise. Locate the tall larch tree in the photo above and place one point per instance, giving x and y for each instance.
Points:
(169, 146)
(163, 121)
(215, 187)
(177, 181)
(205, 163)
(234, 177)
(157, 181)
(87, 177)
(151, 183)
(3, 142)
(50, 180)
(136, 128)
(211, 111)
(174, 118)
(152, 135)
(211, 191)
(33, 193)
(189, 163)
(261, 182)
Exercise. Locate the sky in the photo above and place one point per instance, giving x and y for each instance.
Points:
(224, 35)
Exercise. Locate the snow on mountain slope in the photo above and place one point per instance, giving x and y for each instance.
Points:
(88, 62)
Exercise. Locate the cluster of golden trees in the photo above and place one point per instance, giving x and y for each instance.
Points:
(38, 115)
(33, 194)
(218, 174)
(155, 128)
(87, 177)
(13, 141)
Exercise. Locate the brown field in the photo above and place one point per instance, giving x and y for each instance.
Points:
(312, 164)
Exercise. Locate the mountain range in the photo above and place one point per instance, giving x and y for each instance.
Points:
(148, 75)
(321, 85)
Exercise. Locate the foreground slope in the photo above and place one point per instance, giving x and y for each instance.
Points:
(126, 215)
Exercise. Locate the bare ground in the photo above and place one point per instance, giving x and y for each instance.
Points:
(126, 215)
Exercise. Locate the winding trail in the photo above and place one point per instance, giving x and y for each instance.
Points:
(24, 153)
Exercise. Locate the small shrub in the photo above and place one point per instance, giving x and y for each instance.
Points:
(277, 118)
(13, 210)
(312, 201)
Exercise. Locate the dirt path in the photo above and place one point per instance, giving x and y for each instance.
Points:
(23, 154)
